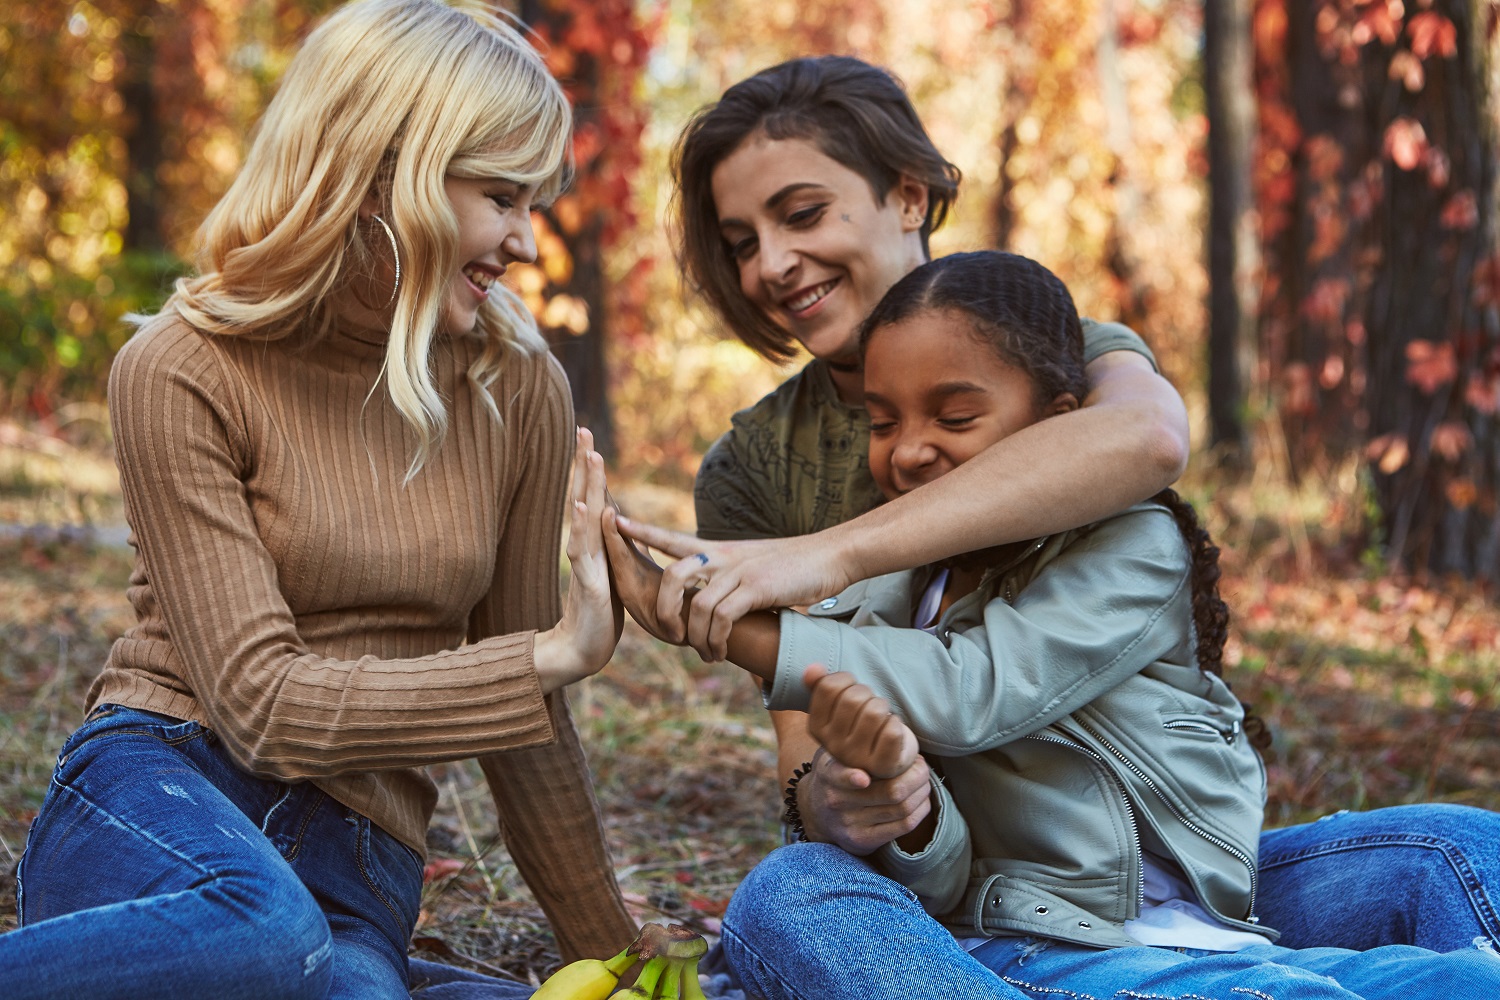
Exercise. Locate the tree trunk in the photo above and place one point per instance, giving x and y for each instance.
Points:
(143, 135)
(1121, 257)
(1379, 322)
(581, 354)
(1232, 253)
(1020, 88)
(1433, 351)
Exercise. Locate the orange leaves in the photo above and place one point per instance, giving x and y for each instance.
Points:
(1389, 452)
(440, 868)
(1483, 393)
(1430, 366)
(1438, 167)
(1325, 303)
(1486, 281)
(1451, 440)
(1432, 33)
(1460, 212)
(1461, 493)
(1381, 20)
(1406, 142)
(1407, 68)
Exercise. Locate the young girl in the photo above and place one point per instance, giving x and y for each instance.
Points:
(807, 191)
(1097, 790)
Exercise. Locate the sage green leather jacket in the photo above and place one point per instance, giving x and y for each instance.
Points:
(1062, 706)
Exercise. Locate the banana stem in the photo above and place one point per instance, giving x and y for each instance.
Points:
(622, 962)
(671, 980)
(691, 988)
(645, 983)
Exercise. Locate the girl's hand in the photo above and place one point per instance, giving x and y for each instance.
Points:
(636, 577)
(583, 640)
(736, 578)
(857, 727)
(870, 787)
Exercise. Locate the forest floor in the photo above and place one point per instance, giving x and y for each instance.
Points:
(1378, 692)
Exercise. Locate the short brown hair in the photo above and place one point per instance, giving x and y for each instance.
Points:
(855, 113)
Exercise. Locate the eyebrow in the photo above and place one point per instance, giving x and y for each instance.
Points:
(775, 199)
(942, 390)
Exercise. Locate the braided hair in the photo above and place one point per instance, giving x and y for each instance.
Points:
(1025, 314)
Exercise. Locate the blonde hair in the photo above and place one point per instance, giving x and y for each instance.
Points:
(390, 96)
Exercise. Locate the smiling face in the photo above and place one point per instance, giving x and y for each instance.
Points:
(938, 395)
(494, 230)
(814, 247)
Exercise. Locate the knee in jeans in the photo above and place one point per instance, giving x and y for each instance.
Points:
(785, 882)
(280, 940)
(793, 872)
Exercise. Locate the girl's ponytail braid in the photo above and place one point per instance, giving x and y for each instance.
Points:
(1210, 613)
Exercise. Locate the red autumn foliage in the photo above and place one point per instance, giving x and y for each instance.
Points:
(1432, 33)
(1430, 366)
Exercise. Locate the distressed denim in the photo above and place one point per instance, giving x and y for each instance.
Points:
(157, 868)
(813, 923)
(1427, 875)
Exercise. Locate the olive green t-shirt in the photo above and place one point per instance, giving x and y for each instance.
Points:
(796, 462)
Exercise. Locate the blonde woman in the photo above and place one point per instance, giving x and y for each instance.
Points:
(345, 454)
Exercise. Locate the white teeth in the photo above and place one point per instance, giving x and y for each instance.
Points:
(812, 296)
(481, 278)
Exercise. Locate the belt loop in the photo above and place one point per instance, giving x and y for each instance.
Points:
(979, 904)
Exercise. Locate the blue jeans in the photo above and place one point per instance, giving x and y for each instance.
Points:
(1427, 875)
(157, 868)
(813, 923)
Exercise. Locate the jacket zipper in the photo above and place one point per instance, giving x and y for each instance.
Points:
(1135, 833)
(1218, 842)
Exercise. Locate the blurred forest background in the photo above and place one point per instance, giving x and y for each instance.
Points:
(1292, 200)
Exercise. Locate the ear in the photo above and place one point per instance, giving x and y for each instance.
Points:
(1063, 402)
(371, 205)
(911, 198)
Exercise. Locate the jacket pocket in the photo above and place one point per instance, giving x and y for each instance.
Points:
(1193, 725)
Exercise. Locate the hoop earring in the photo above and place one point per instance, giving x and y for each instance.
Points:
(396, 253)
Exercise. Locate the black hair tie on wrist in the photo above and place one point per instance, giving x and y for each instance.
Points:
(791, 816)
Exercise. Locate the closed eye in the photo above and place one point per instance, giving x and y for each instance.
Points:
(956, 422)
(742, 249)
(805, 217)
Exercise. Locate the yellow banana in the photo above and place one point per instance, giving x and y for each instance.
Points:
(586, 979)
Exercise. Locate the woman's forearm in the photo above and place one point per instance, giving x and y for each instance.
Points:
(1126, 444)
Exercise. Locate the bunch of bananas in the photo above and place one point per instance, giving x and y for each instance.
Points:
(670, 953)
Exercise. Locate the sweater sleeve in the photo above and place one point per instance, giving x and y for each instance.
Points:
(1114, 601)
(282, 710)
(544, 796)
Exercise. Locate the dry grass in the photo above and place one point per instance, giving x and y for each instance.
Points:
(1378, 692)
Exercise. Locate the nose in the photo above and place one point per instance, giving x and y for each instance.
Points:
(777, 258)
(913, 459)
(520, 243)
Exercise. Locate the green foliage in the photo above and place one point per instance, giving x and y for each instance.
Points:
(67, 327)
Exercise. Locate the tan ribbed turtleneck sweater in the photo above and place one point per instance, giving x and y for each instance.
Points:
(331, 624)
